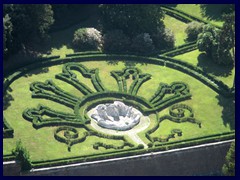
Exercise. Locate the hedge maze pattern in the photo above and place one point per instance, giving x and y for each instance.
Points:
(44, 116)
(68, 125)
(178, 113)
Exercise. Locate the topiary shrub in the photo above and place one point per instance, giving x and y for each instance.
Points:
(87, 39)
(193, 29)
(116, 41)
(142, 44)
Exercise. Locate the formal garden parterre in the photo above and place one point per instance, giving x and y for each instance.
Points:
(47, 112)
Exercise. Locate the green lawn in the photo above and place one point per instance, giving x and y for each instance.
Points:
(211, 13)
(197, 58)
(215, 112)
(42, 144)
(178, 29)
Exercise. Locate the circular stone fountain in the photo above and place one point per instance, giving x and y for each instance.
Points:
(116, 116)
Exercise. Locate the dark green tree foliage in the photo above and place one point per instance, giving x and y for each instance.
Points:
(23, 156)
(208, 39)
(216, 45)
(142, 43)
(135, 19)
(132, 19)
(29, 21)
(193, 29)
(229, 167)
(116, 41)
(228, 32)
(7, 34)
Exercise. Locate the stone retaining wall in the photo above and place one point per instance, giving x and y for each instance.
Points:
(205, 160)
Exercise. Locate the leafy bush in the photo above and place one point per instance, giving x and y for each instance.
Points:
(23, 156)
(87, 39)
(116, 41)
(193, 29)
(142, 43)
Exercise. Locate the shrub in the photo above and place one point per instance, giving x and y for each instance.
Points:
(193, 29)
(142, 43)
(116, 41)
(23, 156)
(87, 39)
(140, 146)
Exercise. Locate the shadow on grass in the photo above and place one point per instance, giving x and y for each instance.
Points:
(37, 71)
(65, 36)
(228, 112)
(215, 11)
(209, 66)
(7, 98)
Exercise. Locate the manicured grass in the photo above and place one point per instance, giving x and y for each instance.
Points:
(215, 112)
(214, 16)
(41, 143)
(197, 58)
(178, 29)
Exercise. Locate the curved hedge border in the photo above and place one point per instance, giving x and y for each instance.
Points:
(162, 60)
(177, 117)
(196, 72)
(70, 77)
(134, 151)
(99, 57)
(40, 90)
(207, 79)
(71, 139)
(185, 17)
(56, 118)
(122, 76)
(181, 50)
(8, 131)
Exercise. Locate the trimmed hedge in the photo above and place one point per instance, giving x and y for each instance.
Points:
(196, 72)
(185, 17)
(8, 131)
(132, 151)
(40, 90)
(122, 76)
(181, 50)
(57, 118)
(71, 139)
(168, 61)
(177, 117)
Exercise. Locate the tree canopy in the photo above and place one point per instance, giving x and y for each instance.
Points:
(28, 21)
(132, 19)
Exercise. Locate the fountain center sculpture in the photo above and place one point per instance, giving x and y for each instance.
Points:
(116, 116)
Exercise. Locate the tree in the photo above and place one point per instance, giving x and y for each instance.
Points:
(143, 44)
(216, 45)
(132, 19)
(87, 39)
(229, 167)
(229, 33)
(137, 19)
(29, 21)
(7, 34)
(208, 40)
(116, 41)
(193, 29)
